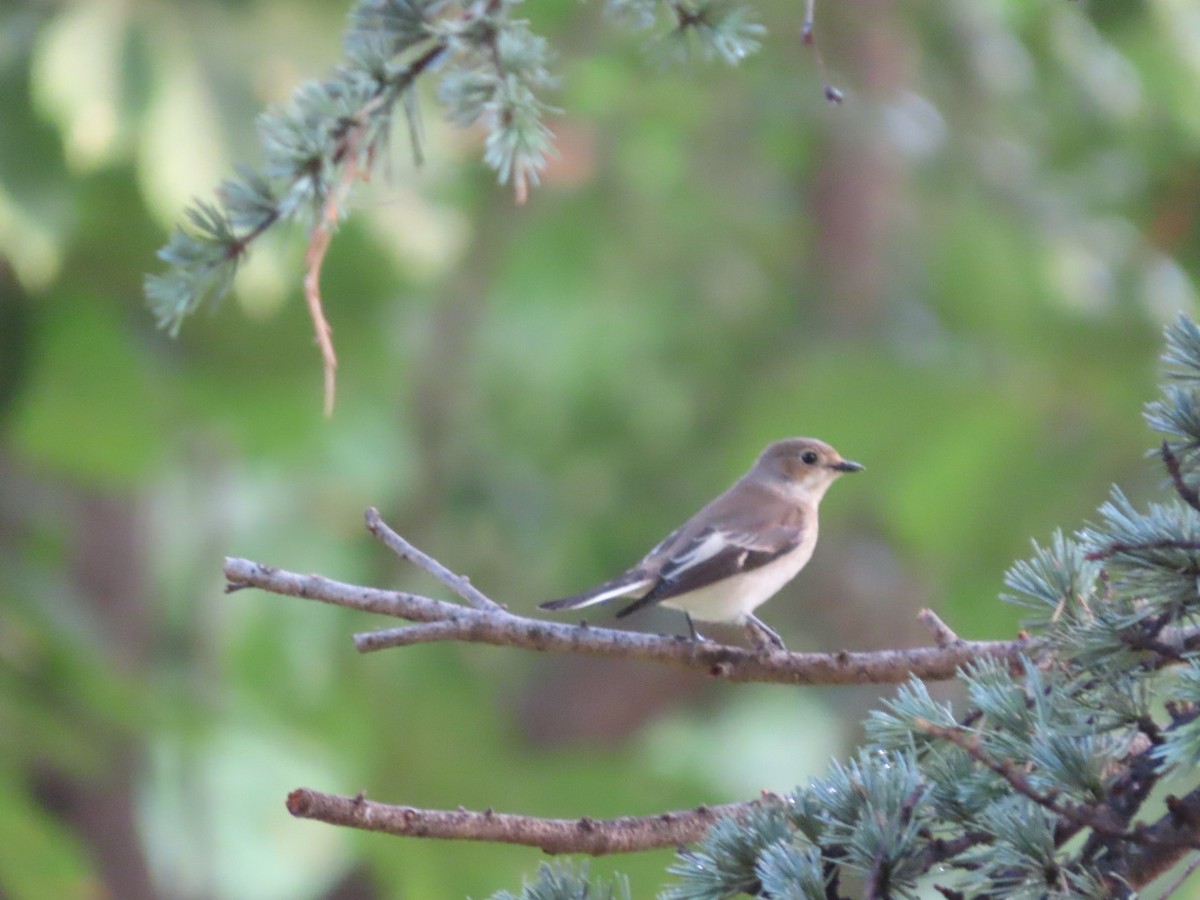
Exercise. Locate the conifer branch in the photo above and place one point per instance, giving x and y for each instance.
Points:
(1122, 547)
(1075, 814)
(333, 132)
(493, 71)
(1162, 844)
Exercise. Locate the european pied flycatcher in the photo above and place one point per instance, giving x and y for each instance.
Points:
(740, 549)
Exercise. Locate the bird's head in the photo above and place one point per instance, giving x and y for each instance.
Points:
(805, 467)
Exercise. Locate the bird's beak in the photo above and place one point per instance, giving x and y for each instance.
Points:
(848, 466)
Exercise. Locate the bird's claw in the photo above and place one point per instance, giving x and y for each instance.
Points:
(762, 636)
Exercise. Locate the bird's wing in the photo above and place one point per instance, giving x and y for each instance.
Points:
(633, 582)
(727, 547)
(734, 533)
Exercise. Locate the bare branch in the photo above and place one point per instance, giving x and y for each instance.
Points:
(503, 629)
(407, 635)
(627, 834)
(460, 584)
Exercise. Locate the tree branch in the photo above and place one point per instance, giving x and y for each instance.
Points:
(1186, 493)
(1099, 819)
(503, 629)
(627, 834)
(1151, 850)
(1147, 850)
(490, 623)
(1168, 840)
(487, 622)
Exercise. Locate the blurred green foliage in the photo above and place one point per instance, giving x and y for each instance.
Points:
(958, 277)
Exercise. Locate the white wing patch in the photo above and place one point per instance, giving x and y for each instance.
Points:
(713, 543)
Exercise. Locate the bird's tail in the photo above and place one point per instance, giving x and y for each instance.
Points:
(625, 585)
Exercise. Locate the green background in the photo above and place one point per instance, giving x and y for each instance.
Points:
(958, 277)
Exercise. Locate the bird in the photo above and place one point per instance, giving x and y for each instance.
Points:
(739, 550)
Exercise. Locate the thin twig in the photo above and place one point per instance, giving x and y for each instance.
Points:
(318, 243)
(808, 37)
(1188, 494)
(460, 584)
(943, 634)
(503, 629)
(347, 156)
(627, 834)
(1177, 883)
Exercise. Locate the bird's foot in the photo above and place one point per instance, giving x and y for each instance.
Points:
(762, 636)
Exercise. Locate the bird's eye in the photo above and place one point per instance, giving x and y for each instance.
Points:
(809, 457)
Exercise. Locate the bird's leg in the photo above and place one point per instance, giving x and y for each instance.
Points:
(697, 637)
(761, 635)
